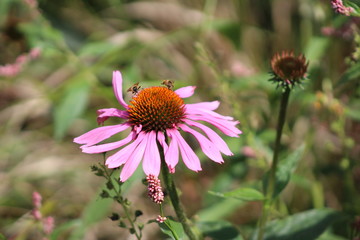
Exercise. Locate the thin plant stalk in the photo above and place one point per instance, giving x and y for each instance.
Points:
(174, 197)
(270, 188)
(168, 224)
(122, 203)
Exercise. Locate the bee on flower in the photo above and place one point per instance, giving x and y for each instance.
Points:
(157, 117)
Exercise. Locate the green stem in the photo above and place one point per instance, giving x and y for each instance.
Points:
(168, 224)
(270, 188)
(174, 197)
(120, 200)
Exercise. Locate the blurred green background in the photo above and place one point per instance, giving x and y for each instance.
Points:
(224, 48)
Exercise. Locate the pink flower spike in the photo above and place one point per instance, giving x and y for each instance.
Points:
(157, 115)
(339, 7)
(48, 225)
(35, 53)
(185, 92)
(36, 214)
(36, 197)
(117, 84)
(154, 189)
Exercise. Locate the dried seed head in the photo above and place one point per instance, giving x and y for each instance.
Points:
(287, 69)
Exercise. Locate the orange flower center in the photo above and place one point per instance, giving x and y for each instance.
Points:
(156, 108)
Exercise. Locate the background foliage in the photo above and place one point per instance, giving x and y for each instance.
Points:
(222, 47)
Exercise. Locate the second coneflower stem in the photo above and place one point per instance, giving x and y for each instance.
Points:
(270, 187)
(174, 197)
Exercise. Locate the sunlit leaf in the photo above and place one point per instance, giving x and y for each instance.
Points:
(352, 74)
(71, 106)
(245, 194)
(224, 208)
(219, 230)
(285, 168)
(95, 211)
(171, 227)
(306, 225)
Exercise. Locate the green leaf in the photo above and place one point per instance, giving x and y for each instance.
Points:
(285, 168)
(245, 194)
(64, 229)
(95, 211)
(171, 228)
(219, 230)
(352, 74)
(330, 236)
(316, 48)
(306, 225)
(222, 209)
(353, 113)
(73, 104)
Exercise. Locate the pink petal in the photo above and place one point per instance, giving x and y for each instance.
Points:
(151, 162)
(213, 136)
(201, 111)
(117, 85)
(172, 153)
(227, 127)
(185, 92)
(99, 134)
(108, 146)
(207, 147)
(204, 105)
(105, 113)
(161, 139)
(133, 162)
(119, 158)
(189, 157)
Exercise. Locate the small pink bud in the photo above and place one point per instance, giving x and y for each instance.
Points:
(48, 224)
(36, 214)
(35, 53)
(249, 152)
(339, 7)
(161, 219)
(36, 197)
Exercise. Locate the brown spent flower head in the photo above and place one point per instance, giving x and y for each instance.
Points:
(287, 69)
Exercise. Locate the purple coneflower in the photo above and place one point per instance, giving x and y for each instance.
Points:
(156, 115)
